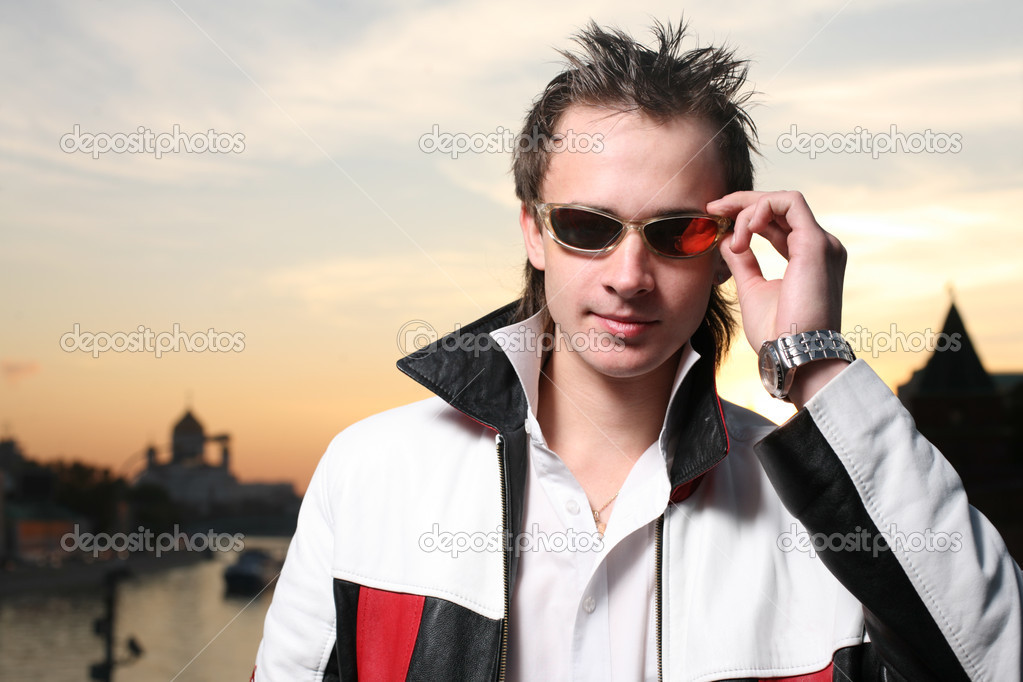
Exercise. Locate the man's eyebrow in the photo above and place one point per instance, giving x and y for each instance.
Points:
(671, 210)
(683, 209)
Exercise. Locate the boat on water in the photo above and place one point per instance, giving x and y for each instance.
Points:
(254, 571)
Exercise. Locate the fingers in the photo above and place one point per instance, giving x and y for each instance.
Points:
(809, 294)
(731, 204)
(762, 218)
(743, 264)
(775, 216)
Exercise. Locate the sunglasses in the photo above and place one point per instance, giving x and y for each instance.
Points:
(588, 230)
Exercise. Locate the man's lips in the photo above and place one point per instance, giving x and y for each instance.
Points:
(625, 326)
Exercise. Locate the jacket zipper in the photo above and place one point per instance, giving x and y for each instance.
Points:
(659, 539)
(507, 594)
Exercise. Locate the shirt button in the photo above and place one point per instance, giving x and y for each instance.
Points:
(572, 506)
(589, 604)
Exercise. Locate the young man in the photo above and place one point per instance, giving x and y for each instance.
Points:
(577, 503)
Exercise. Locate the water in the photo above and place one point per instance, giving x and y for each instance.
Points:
(188, 628)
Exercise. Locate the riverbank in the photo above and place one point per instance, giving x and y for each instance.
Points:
(81, 575)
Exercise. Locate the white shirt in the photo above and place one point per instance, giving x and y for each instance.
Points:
(583, 606)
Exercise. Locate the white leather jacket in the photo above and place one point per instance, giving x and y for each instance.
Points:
(772, 564)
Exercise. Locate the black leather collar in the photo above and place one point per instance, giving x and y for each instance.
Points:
(475, 377)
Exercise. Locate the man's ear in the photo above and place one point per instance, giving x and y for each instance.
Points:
(721, 272)
(532, 236)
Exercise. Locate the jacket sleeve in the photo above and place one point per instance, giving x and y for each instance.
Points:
(888, 516)
(299, 633)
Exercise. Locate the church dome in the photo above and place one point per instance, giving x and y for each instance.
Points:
(187, 440)
(188, 425)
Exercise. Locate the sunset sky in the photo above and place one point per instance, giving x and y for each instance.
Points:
(324, 230)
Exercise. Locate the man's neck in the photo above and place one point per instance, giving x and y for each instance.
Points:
(599, 425)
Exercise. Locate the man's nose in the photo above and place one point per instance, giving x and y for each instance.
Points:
(628, 269)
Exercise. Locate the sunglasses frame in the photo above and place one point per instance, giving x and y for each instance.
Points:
(544, 211)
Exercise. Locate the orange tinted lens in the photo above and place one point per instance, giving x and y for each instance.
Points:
(682, 236)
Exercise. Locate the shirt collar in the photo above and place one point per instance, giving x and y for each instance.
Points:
(523, 344)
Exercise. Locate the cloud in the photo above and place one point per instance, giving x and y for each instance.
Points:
(487, 176)
(954, 95)
(15, 371)
(346, 289)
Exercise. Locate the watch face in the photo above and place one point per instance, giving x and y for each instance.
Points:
(769, 369)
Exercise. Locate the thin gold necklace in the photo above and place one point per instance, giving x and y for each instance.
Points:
(596, 513)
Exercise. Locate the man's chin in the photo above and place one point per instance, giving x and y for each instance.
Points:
(626, 362)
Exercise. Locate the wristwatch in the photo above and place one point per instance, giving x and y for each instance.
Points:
(780, 358)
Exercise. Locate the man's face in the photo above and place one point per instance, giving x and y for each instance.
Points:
(645, 169)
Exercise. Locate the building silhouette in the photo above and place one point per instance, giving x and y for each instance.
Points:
(975, 418)
(32, 523)
(202, 487)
